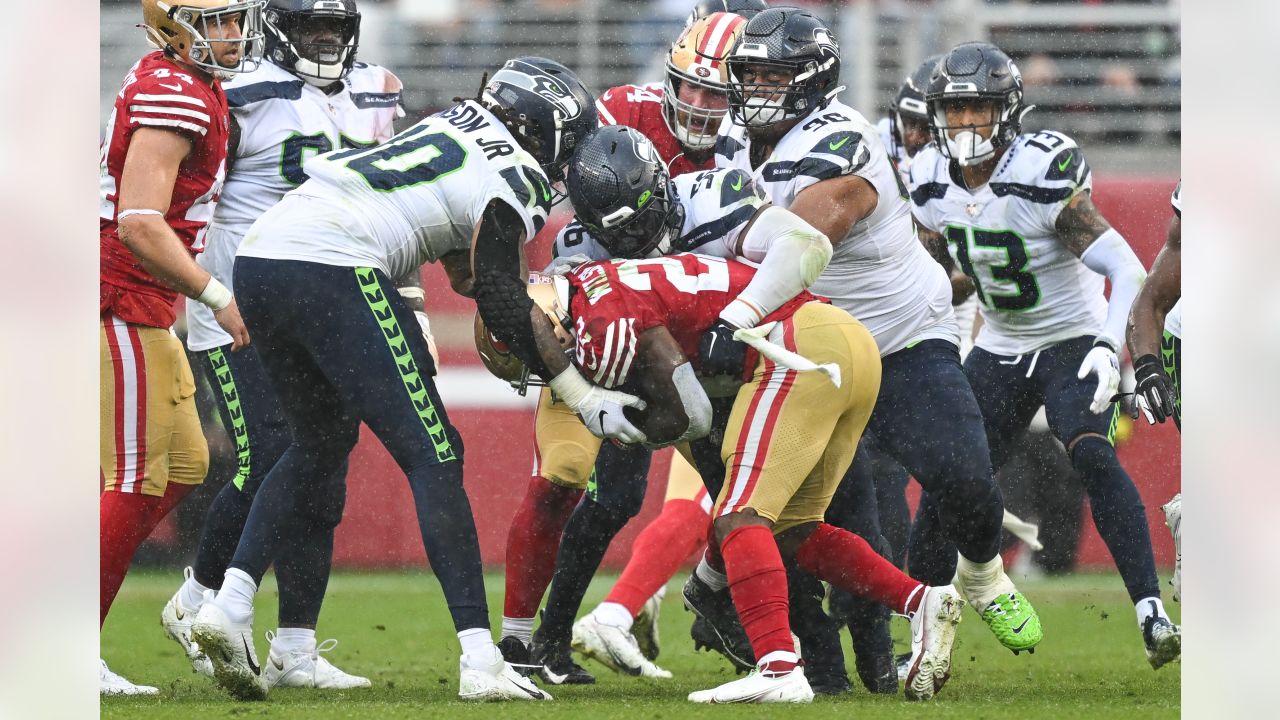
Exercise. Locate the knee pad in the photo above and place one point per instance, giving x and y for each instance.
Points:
(1092, 457)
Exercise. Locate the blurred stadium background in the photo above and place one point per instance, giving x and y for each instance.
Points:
(1106, 73)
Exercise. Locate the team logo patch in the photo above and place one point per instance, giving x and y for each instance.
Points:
(825, 41)
(701, 71)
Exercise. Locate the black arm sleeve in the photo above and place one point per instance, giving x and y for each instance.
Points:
(502, 296)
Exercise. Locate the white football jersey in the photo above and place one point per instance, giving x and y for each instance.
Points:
(718, 205)
(283, 121)
(1173, 320)
(411, 200)
(897, 153)
(1034, 292)
(879, 273)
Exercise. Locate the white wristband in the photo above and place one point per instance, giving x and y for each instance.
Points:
(570, 387)
(215, 295)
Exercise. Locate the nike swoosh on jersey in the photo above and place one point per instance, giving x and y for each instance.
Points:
(175, 88)
(1063, 165)
(837, 145)
(737, 184)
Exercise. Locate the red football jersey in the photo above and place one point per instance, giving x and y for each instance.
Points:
(159, 93)
(640, 107)
(613, 301)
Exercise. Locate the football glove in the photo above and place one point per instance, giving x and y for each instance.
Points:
(719, 353)
(600, 409)
(1102, 362)
(1153, 391)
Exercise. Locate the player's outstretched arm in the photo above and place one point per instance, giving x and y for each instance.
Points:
(835, 205)
(1158, 296)
(146, 190)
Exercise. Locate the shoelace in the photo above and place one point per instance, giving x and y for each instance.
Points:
(324, 646)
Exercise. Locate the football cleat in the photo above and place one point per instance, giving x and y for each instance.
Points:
(759, 687)
(1173, 519)
(1014, 622)
(110, 683)
(516, 653)
(555, 664)
(613, 647)
(1163, 640)
(303, 669)
(720, 630)
(230, 647)
(645, 627)
(498, 681)
(176, 620)
(933, 633)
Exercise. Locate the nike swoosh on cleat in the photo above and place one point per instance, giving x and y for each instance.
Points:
(1018, 629)
(554, 678)
(177, 612)
(248, 656)
(279, 665)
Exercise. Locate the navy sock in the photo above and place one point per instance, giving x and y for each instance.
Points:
(223, 523)
(586, 538)
(1118, 514)
(449, 536)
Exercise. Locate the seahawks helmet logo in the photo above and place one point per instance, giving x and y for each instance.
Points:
(540, 84)
(644, 148)
(825, 42)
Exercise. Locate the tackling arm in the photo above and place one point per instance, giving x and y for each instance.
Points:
(1160, 293)
(791, 253)
(835, 205)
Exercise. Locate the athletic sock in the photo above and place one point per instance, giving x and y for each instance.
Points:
(615, 615)
(714, 579)
(981, 582)
(848, 562)
(519, 628)
(478, 650)
(657, 553)
(758, 584)
(236, 596)
(293, 640)
(124, 521)
(191, 594)
(531, 546)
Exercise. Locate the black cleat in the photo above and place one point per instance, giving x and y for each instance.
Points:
(720, 630)
(554, 663)
(516, 653)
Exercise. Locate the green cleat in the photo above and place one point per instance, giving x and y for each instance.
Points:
(1014, 622)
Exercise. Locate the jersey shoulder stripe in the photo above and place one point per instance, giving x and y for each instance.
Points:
(258, 92)
(1032, 193)
(531, 190)
(924, 192)
(714, 229)
(727, 146)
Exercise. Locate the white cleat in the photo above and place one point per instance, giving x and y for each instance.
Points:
(933, 632)
(176, 620)
(758, 687)
(613, 647)
(1173, 519)
(645, 627)
(308, 670)
(230, 647)
(112, 684)
(498, 681)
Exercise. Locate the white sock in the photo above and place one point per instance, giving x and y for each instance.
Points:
(478, 650)
(519, 628)
(1148, 607)
(662, 593)
(294, 640)
(981, 582)
(191, 594)
(236, 596)
(614, 614)
(715, 579)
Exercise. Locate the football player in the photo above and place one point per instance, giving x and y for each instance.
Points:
(310, 97)
(805, 394)
(627, 206)
(1159, 382)
(681, 118)
(822, 160)
(1016, 213)
(464, 187)
(161, 167)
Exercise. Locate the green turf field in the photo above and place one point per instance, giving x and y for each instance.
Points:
(394, 628)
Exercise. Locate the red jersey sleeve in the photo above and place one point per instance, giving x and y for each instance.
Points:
(171, 100)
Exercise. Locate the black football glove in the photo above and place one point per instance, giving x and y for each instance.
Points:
(1153, 390)
(719, 353)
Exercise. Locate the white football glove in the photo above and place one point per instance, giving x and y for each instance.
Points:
(600, 409)
(1101, 361)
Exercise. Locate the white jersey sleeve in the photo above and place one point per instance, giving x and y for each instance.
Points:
(1045, 171)
(718, 206)
(574, 239)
